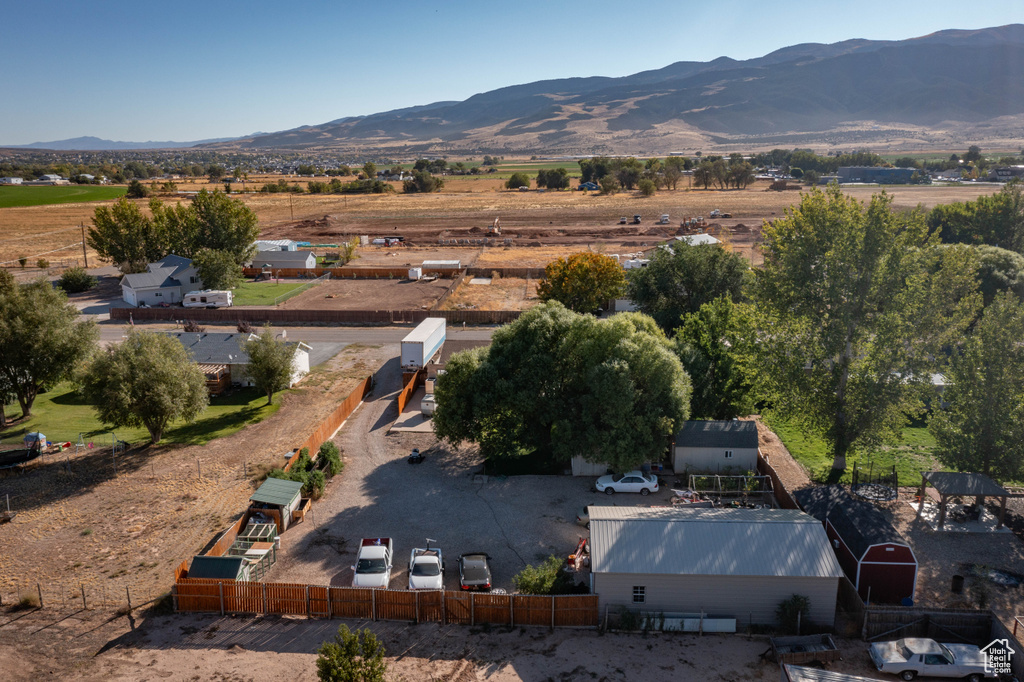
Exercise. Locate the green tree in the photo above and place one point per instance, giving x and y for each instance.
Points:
(854, 303)
(216, 221)
(710, 343)
(611, 390)
(672, 174)
(217, 269)
(545, 578)
(811, 177)
(215, 172)
(681, 279)
(76, 280)
(123, 234)
(582, 281)
(370, 170)
(147, 380)
(647, 187)
(136, 190)
(999, 270)
(352, 657)
(983, 427)
(422, 182)
(517, 180)
(703, 174)
(270, 362)
(609, 185)
(42, 339)
(973, 154)
(996, 220)
(628, 173)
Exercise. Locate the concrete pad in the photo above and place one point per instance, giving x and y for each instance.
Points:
(412, 418)
(986, 523)
(480, 280)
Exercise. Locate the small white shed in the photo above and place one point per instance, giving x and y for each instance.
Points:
(715, 447)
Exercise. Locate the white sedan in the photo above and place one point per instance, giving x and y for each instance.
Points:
(426, 569)
(629, 482)
(913, 656)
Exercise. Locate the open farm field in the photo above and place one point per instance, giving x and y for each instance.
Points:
(19, 195)
(501, 293)
(369, 294)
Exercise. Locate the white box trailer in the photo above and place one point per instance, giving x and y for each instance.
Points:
(422, 343)
(208, 298)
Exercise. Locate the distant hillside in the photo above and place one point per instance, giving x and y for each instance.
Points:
(96, 144)
(941, 87)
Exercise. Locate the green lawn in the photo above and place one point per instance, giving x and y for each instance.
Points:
(15, 195)
(911, 456)
(62, 414)
(262, 293)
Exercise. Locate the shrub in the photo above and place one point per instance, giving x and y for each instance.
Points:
(329, 451)
(352, 657)
(136, 190)
(312, 480)
(244, 327)
(76, 280)
(27, 600)
(22, 261)
(193, 327)
(647, 187)
(546, 578)
(791, 610)
(42, 263)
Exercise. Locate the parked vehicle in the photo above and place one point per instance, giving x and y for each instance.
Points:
(475, 571)
(416, 457)
(664, 219)
(426, 568)
(629, 482)
(373, 563)
(208, 298)
(914, 656)
(636, 220)
(718, 214)
(583, 517)
(623, 220)
(427, 405)
(423, 343)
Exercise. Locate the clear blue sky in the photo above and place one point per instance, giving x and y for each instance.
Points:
(192, 70)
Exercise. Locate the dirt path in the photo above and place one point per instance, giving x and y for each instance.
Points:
(790, 472)
(108, 532)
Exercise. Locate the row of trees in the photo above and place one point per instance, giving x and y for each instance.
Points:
(855, 308)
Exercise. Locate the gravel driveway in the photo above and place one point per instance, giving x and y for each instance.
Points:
(517, 520)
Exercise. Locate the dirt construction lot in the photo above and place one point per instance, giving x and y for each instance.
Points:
(369, 294)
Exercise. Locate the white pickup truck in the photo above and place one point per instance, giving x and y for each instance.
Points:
(913, 656)
(373, 563)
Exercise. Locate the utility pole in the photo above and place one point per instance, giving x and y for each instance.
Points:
(85, 255)
(290, 207)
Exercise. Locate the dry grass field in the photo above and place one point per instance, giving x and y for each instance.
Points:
(466, 207)
(503, 293)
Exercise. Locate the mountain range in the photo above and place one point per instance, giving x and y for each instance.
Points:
(96, 144)
(933, 90)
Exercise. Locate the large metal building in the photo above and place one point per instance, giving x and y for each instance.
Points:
(731, 563)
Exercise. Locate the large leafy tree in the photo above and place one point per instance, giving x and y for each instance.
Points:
(711, 344)
(146, 380)
(996, 220)
(983, 427)
(854, 303)
(562, 384)
(583, 281)
(123, 234)
(680, 279)
(42, 339)
(270, 362)
(999, 270)
(352, 657)
(217, 269)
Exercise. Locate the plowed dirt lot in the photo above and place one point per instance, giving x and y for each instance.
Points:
(369, 294)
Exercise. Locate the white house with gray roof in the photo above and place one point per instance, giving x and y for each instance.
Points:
(284, 259)
(166, 281)
(727, 563)
(715, 447)
(225, 351)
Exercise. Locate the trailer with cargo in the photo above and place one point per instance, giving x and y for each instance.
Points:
(423, 343)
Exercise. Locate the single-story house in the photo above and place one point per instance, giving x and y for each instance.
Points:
(10, 181)
(715, 447)
(277, 498)
(875, 557)
(166, 281)
(875, 174)
(220, 352)
(589, 186)
(284, 259)
(730, 563)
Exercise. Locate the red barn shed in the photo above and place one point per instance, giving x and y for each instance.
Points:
(876, 558)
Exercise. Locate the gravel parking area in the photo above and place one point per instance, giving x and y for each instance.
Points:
(517, 520)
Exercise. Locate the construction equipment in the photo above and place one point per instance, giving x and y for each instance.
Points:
(495, 228)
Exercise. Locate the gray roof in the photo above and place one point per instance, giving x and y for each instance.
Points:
(262, 257)
(163, 273)
(858, 522)
(214, 348)
(277, 491)
(796, 673)
(961, 483)
(718, 434)
(723, 542)
(216, 567)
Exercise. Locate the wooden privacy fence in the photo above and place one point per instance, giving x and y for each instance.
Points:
(393, 273)
(317, 601)
(782, 495)
(944, 625)
(281, 316)
(410, 388)
(328, 426)
(449, 291)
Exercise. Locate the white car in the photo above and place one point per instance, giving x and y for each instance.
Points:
(629, 482)
(914, 656)
(426, 569)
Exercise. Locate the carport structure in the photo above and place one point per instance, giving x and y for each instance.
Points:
(947, 484)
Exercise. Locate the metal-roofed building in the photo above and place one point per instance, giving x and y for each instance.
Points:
(715, 446)
(277, 498)
(274, 260)
(218, 353)
(735, 563)
(164, 282)
(876, 558)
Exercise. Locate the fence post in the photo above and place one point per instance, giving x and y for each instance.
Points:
(309, 610)
(373, 604)
(266, 606)
(128, 592)
(472, 608)
(174, 597)
(511, 610)
(39, 590)
(417, 593)
(220, 589)
(84, 607)
(552, 612)
(444, 614)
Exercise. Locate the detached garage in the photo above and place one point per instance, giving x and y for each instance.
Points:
(874, 556)
(715, 447)
(730, 563)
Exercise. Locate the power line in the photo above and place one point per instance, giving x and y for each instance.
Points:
(63, 248)
(41, 234)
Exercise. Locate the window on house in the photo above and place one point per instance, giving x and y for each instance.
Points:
(158, 294)
(639, 594)
(728, 454)
(193, 280)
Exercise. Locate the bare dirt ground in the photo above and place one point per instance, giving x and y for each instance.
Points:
(940, 556)
(369, 294)
(107, 531)
(99, 645)
(503, 293)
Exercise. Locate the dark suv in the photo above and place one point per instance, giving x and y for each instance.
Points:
(475, 571)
